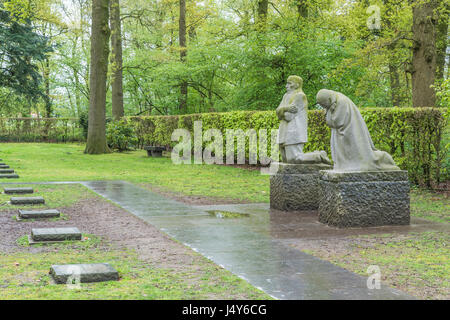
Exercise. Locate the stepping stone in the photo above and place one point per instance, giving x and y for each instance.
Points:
(6, 171)
(55, 235)
(88, 273)
(4, 167)
(9, 176)
(2, 164)
(39, 214)
(18, 190)
(32, 200)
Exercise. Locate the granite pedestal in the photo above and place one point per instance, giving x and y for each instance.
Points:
(295, 187)
(364, 199)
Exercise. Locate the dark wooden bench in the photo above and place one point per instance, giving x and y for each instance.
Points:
(153, 151)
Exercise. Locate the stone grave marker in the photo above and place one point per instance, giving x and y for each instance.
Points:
(27, 200)
(86, 273)
(18, 190)
(38, 214)
(9, 176)
(6, 171)
(50, 235)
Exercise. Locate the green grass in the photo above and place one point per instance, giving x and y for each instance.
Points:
(55, 196)
(419, 264)
(25, 276)
(67, 162)
(430, 205)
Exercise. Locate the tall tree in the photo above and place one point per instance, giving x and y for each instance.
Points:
(424, 53)
(182, 41)
(116, 61)
(100, 33)
(20, 49)
(442, 38)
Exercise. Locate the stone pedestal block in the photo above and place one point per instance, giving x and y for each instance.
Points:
(364, 199)
(295, 187)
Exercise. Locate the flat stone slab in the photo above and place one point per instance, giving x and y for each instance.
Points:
(18, 190)
(153, 151)
(6, 171)
(87, 273)
(4, 166)
(364, 199)
(295, 187)
(55, 234)
(27, 200)
(39, 214)
(9, 176)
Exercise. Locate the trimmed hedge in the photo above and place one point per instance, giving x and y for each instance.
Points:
(415, 137)
(40, 130)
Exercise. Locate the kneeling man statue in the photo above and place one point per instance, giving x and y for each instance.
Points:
(293, 132)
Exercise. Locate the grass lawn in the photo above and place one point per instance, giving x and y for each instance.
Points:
(416, 263)
(67, 162)
(24, 269)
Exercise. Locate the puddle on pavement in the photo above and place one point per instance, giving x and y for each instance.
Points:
(227, 214)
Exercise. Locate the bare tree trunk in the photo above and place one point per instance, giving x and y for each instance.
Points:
(48, 101)
(182, 40)
(302, 8)
(424, 53)
(263, 7)
(116, 61)
(96, 142)
(442, 40)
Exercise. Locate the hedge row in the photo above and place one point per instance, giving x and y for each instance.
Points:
(415, 137)
(40, 130)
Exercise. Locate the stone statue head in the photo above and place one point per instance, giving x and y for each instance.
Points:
(294, 83)
(327, 98)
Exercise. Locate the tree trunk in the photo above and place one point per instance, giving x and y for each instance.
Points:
(424, 53)
(302, 8)
(263, 7)
(442, 41)
(182, 40)
(116, 61)
(96, 141)
(395, 85)
(48, 101)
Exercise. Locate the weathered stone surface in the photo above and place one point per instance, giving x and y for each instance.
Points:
(6, 171)
(18, 190)
(4, 167)
(87, 273)
(26, 201)
(9, 176)
(156, 152)
(364, 199)
(55, 234)
(39, 214)
(352, 147)
(296, 187)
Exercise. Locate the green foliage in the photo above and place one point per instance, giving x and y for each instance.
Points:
(83, 121)
(120, 135)
(414, 137)
(20, 51)
(40, 130)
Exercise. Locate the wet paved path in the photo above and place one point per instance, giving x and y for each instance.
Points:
(249, 247)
